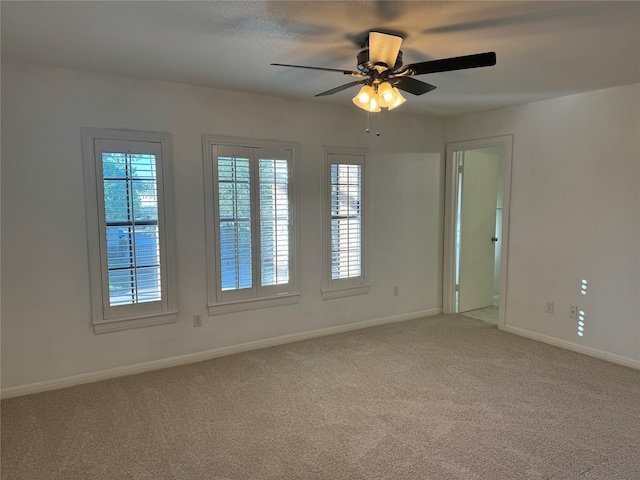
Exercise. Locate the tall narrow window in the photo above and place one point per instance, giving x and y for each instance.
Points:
(344, 223)
(131, 222)
(250, 205)
(128, 217)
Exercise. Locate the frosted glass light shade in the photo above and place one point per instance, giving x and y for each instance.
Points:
(386, 94)
(399, 99)
(365, 94)
(367, 99)
(374, 104)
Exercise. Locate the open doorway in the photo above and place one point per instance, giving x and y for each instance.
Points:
(476, 229)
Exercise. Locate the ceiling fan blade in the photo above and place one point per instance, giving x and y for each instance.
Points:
(414, 86)
(384, 48)
(456, 63)
(346, 72)
(340, 88)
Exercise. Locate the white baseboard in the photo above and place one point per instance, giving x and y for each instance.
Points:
(201, 356)
(574, 347)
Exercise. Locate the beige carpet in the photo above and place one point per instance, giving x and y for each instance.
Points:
(439, 398)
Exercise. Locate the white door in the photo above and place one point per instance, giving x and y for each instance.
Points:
(477, 227)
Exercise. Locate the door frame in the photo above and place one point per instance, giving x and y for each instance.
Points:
(450, 208)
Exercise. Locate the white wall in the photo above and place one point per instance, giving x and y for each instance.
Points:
(46, 332)
(575, 213)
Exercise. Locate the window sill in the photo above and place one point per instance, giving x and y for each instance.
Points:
(345, 292)
(253, 304)
(116, 325)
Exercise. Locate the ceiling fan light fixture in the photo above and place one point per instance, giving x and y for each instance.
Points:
(365, 94)
(385, 90)
(387, 95)
(399, 100)
(374, 104)
(371, 98)
(367, 99)
(358, 103)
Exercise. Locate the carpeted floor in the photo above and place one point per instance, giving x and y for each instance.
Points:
(444, 397)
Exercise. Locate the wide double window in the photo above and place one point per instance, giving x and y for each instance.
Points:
(129, 221)
(250, 217)
(344, 223)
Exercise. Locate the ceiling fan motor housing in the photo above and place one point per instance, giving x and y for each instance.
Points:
(365, 66)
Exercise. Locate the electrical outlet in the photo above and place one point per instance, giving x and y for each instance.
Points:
(197, 320)
(573, 311)
(549, 307)
(396, 291)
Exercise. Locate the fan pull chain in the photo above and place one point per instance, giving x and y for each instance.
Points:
(368, 129)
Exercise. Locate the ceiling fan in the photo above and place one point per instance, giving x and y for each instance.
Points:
(382, 75)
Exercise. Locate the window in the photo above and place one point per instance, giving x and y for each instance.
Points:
(250, 215)
(344, 229)
(129, 220)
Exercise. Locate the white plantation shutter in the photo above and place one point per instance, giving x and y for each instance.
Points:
(274, 220)
(344, 223)
(251, 220)
(234, 200)
(131, 252)
(131, 220)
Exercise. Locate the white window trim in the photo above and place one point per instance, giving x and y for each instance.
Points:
(104, 318)
(352, 286)
(214, 305)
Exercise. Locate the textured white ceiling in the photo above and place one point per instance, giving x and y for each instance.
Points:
(545, 49)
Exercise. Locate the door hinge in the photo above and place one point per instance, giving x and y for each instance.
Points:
(460, 169)
(457, 288)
